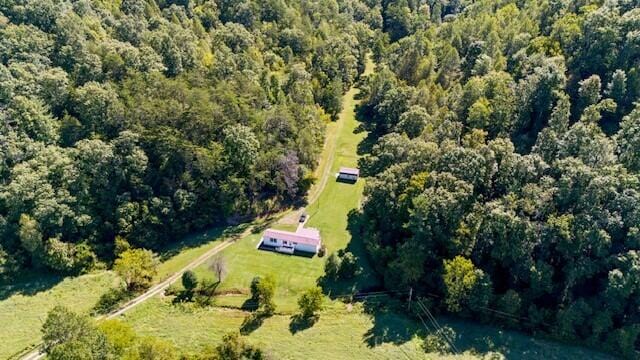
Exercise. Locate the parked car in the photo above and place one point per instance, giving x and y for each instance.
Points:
(303, 217)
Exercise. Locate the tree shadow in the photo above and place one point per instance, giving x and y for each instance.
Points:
(29, 283)
(390, 324)
(386, 309)
(249, 305)
(367, 280)
(196, 239)
(301, 323)
(253, 322)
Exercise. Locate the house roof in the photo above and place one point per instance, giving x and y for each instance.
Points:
(308, 236)
(350, 171)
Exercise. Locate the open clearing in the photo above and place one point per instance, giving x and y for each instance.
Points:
(341, 332)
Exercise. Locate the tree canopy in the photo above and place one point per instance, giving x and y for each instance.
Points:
(504, 176)
(146, 119)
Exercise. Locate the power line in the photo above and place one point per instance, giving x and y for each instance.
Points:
(437, 326)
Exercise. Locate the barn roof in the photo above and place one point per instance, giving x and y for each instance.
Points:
(308, 236)
(349, 171)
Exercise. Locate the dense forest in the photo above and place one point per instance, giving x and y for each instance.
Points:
(502, 165)
(145, 120)
(505, 170)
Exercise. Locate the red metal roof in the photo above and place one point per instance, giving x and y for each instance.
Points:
(303, 236)
(350, 171)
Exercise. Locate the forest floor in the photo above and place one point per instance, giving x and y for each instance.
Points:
(370, 329)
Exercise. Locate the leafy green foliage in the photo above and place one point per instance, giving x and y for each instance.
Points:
(147, 120)
(136, 267)
(343, 265)
(504, 177)
(189, 280)
(262, 292)
(234, 347)
(310, 302)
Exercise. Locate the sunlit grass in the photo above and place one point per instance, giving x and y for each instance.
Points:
(25, 303)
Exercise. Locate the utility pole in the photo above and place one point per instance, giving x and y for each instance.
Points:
(410, 295)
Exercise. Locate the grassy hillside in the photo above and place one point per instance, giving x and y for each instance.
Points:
(24, 305)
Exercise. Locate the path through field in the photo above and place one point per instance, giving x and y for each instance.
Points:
(323, 174)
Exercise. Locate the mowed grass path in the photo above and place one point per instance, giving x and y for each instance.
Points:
(329, 214)
(342, 331)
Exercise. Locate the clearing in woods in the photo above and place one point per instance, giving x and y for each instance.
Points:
(366, 330)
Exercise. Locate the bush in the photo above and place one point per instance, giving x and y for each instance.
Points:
(262, 291)
(310, 302)
(438, 342)
(110, 300)
(137, 267)
(332, 266)
(344, 265)
(189, 281)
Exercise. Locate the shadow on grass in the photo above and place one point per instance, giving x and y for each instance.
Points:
(345, 181)
(194, 240)
(390, 325)
(301, 323)
(28, 283)
(385, 309)
(367, 280)
(253, 322)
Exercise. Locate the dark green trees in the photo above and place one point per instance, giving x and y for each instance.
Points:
(151, 119)
(505, 176)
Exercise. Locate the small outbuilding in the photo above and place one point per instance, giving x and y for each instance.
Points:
(305, 239)
(348, 174)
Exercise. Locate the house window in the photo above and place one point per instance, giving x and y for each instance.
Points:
(295, 243)
(273, 240)
(285, 242)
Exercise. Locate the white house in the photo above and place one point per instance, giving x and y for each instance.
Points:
(348, 174)
(305, 239)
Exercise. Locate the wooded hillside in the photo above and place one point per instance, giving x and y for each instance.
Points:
(146, 119)
(506, 167)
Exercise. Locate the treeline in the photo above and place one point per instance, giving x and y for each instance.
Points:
(505, 180)
(149, 119)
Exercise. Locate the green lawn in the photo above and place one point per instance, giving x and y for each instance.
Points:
(342, 332)
(329, 213)
(25, 303)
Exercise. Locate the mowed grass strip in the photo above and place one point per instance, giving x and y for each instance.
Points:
(329, 214)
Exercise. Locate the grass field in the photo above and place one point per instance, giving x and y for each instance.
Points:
(342, 331)
(24, 305)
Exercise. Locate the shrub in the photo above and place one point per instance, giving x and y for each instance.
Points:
(137, 267)
(110, 300)
(322, 251)
(310, 302)
(262, 291)
(439, 341)
(189, 281)
(332, 266)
